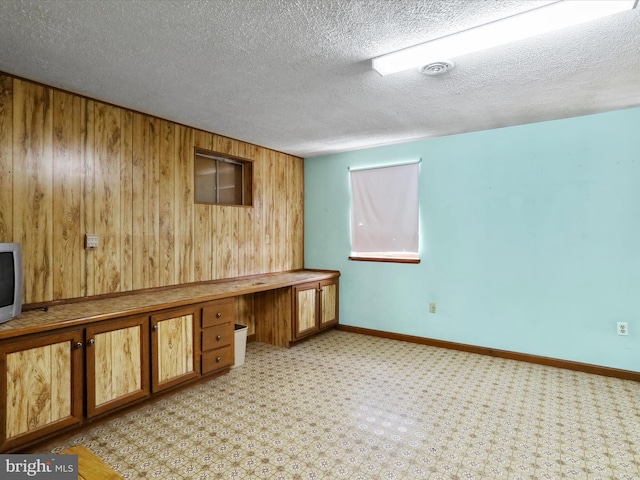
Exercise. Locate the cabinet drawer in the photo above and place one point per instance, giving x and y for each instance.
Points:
(216, 313)
(217, 359)
(217, 336)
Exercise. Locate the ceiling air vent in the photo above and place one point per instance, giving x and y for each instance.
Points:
(437, 68)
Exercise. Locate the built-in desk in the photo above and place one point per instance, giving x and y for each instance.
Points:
(66, 365)
(141, 302)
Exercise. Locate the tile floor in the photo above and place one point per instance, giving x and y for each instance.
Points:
(350, 406)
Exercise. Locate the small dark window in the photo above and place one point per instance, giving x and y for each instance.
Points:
(222, 180)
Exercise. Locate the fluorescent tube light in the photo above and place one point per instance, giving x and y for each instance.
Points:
(556, 16)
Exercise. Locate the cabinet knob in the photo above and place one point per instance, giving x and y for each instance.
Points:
(218, 359)
(219, 337)
(91, 342)
(154, 328)
(78, 345)
(218, 315)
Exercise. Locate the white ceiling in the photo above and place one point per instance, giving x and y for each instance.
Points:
(295, 75)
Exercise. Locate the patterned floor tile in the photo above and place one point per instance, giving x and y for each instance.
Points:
(343, 405)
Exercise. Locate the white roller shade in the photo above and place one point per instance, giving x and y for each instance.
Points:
(384, 212)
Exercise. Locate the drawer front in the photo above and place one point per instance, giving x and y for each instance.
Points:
(216, 359)
(216, 313)
(218, 336)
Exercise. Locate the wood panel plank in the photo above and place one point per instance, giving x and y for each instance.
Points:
(68, 187)
(126, 202)
(245, 241)
(140, 202)
(288, 221)
(270, 213)
(184, 186)
(89, 198)
(223, 145)
(259, 208)
(33, 190)
(202, 230)
(167, 247)
(202, 139)
(152, 214)
(234, 239)
(297, 216)
(224, 241)
(6, 158)
(226, 220)
(281, 197)
(246, 218)
(108, 206)
(203, 256)
(215, 211)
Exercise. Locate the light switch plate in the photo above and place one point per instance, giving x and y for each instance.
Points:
(90, 241)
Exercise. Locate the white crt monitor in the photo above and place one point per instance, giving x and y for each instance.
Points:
(10, 281)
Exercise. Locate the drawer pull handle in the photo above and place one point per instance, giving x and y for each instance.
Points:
(218, 315)
(218, 359)
(219, 337)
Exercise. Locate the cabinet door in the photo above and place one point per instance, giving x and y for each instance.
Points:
(41, 387)
(305, 310)
(117, 363)
(172, 347)
(328, 303)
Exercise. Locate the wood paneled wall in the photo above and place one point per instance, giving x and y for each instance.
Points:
(70, 165)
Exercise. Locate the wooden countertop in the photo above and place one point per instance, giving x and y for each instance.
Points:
(134, 303)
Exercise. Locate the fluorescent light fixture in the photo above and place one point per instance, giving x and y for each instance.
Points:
(549, 18)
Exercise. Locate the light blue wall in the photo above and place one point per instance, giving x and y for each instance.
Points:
(530, 239)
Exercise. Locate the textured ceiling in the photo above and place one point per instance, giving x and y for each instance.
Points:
(295, 75)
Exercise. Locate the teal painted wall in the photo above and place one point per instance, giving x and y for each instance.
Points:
(530, 239)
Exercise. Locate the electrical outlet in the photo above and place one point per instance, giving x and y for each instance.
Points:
(432, 308)
(623, 328)
(90, 241)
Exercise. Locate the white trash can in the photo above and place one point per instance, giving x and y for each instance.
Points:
(240, 344)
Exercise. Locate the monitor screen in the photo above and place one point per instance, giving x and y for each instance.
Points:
(7, 279)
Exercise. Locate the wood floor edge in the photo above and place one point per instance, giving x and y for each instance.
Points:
(90, 465)
(493, 352)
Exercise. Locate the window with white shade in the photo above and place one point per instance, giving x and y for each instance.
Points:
(384, 213)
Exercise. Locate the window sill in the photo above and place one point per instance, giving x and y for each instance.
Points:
(385, 259)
